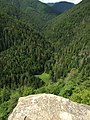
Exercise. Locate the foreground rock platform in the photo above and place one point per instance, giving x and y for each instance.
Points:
(49, 107)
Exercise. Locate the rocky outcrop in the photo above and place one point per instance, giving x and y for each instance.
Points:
(49, 107)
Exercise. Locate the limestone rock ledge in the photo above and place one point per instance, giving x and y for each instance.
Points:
(49, 107)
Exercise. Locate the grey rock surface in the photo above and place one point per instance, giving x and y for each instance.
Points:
(49, 107)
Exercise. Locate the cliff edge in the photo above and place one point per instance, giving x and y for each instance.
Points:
(49, 107)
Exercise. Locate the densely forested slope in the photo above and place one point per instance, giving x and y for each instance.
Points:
(58, 62)
(69, 33)
(11, 31)
(61, 6)
(23, 51)
(36, 12)
(31, 11)
(23, 54)
(12, 15)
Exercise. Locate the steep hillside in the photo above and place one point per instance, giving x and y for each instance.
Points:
(30, 11)
(57, 62)
(23, 51)
(61, 6)
(11, 31)
(69, 34)
(36, 12)
(23, 54)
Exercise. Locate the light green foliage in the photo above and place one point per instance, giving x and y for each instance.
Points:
(44, 77)
(7, 105)
(27, 91)
(4, 111)
(81, 94)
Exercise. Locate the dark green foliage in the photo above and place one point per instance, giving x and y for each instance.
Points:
(11, 31)
(37, 13)
(24, 54)
(33, 12)
(70, 35)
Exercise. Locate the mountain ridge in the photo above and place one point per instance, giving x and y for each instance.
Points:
(61, 6)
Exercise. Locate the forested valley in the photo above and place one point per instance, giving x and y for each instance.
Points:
(43, 51)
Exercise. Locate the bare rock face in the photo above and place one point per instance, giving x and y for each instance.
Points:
(49, 107)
